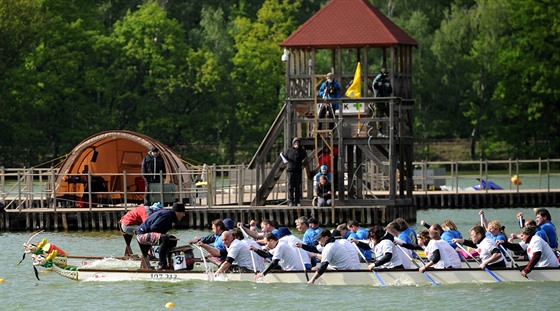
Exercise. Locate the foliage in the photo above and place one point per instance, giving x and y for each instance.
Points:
(204, 77)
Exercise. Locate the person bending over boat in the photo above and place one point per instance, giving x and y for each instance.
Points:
(283, 256)
(539, 252)
(387, 256)
(333, 256)
(154, 230)
(132, 220)
(489, 253)
(239, 257)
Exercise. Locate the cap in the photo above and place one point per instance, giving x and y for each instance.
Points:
(295, 139)
(336, 234)
(229, 223)
(329, 75)
(324, 167)
(283, 231)
(178, 208)
(313, 220)
(383, 71)
(157, 205)
(154, 149)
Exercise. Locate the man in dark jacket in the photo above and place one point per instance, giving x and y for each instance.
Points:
(294, 157)
(154, 230)
(152, 166)
(381, 88)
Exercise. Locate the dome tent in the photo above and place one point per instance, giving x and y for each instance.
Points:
(106, 156)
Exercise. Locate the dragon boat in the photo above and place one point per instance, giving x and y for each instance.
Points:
(188, 268)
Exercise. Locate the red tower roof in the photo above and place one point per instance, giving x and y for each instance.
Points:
(348, 23)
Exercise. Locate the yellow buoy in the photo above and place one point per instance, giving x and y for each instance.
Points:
(169, 305)
(516, 181)
(2, 280)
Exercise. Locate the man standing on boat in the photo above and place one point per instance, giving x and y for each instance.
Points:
(154, 230)
(153, 167)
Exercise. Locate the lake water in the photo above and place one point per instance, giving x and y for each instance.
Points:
(21, 291)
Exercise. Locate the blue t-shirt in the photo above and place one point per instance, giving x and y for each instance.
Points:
(499, 237)
(361, 235)
(411, 234)
(449, 235)
(309, 237)
(550, 231)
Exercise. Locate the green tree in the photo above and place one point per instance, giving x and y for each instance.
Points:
(259, 73)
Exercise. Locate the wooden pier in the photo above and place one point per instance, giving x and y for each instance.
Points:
(200, 217)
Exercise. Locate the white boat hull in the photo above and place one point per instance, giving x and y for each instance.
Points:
(360, 277)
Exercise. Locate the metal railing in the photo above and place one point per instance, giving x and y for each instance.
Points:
(223, 185)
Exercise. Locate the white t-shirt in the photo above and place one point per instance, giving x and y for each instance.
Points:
(241, 254)
(537, 244)
(444, 260)
(485, 248)
(353, 255)
(288, 256)
(384, 247)
(337, 257)
(291, 240)
(454, 258)
(403, 252)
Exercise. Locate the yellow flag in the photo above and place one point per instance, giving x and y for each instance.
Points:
(355, 90)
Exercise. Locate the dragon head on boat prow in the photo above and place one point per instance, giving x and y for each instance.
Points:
(44, 254)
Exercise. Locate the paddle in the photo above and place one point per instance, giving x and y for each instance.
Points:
(303, 264)
(512, 260)
(203, 258)
(252, 255)
(372, 270)
(412, 260)
(485, 268)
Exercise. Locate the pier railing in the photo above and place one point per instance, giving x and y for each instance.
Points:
(235, 185)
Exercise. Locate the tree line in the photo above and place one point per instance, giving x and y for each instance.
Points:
(204, 77)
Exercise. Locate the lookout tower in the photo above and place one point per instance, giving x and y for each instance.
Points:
(369, 169)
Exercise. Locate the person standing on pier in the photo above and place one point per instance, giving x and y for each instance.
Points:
(294, 157)
(153, 167)
(328, 90)
(381, 88)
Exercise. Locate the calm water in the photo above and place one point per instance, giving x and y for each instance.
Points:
(21, 291)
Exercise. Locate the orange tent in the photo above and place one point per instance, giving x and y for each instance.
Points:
(114, 160)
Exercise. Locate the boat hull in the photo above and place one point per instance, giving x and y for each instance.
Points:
(358, 277)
